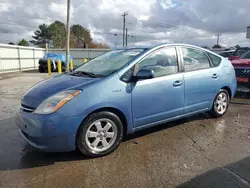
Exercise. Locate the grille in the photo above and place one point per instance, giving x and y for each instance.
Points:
(242, 73)
(26, 108)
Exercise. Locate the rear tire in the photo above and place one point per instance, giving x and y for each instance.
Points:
(220, 104)
(99, 134)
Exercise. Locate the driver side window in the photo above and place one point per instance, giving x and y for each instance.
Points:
(163, 62)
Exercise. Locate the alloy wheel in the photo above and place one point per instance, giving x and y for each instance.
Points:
(101, 135)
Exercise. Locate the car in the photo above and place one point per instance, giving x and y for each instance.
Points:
(43, 62)
(123, 91)
(242, 69)
(238, 52)
(227, 53)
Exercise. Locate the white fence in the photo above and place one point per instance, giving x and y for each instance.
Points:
(18, 58)
(79, 54)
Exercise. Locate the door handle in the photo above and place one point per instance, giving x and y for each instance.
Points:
(215, 75)
(177, 83)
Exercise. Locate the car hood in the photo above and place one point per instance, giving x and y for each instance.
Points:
(241, 62)
(51, 86)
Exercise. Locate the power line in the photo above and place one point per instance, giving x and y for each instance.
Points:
(14, 24)
(28, 17)
(101, 33)
(161, 23)
(20, 25)
(115, 34)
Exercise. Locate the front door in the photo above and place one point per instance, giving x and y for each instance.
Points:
(161, 98)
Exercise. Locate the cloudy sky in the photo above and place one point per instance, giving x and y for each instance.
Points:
(148, 21)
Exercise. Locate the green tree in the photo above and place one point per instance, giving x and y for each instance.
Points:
(217, 46)
(41, 36)
(23, 42)
(57, 32)
(79, 34)
(237, 46)
(206, 47)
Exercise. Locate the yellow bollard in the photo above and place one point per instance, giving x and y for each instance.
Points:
(49, 67)
(59, 66)
(71, 65)
(85, 60)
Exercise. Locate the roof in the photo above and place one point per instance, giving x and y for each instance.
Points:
(165, 44)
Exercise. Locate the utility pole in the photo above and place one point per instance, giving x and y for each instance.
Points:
(124, 22)
(126, 36)
(218, 39)
(115, 40)
(68, 35)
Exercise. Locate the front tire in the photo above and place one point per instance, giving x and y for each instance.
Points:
(220, 104)
(100, 134)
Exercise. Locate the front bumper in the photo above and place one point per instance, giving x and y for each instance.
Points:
(52, 133)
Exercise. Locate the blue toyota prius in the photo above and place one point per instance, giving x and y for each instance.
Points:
(123, 91)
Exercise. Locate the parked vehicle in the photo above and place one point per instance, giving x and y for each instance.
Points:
(242, 68)
(43, 62)
(227, 54)
(239, 52)
(123, 91)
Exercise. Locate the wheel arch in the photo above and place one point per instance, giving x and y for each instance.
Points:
(228, 90)
(223, 87)
(116, 111)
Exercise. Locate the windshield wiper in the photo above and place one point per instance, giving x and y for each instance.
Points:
(79, 73)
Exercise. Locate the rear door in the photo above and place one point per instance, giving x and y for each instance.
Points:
(201, 79)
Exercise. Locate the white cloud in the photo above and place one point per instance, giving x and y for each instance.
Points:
(148, 21)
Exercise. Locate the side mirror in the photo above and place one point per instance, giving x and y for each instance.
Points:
(144, 74)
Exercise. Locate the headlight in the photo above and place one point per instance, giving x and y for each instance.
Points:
(55, 102)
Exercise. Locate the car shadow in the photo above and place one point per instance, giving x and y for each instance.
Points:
(164, 126)
(31, 158)
(229, 176)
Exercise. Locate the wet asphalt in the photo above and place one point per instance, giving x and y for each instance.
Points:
(193, 152)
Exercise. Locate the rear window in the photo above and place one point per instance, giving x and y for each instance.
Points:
(215, 59)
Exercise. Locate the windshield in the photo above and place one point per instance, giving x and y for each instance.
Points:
(109, 62)
(246, 55)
